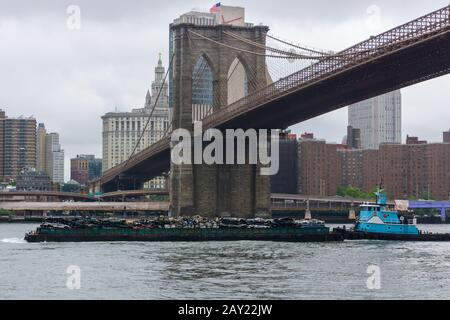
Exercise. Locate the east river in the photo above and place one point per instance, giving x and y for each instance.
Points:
(223, 270)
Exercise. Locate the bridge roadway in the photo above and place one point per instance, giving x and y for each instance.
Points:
(26, 195)
(412, 53)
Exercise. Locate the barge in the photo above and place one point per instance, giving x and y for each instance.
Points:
(188, 230)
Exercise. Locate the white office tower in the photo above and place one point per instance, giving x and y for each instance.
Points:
(54, 158)
(379, 119)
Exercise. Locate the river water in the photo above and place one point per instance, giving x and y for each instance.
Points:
(223, 270)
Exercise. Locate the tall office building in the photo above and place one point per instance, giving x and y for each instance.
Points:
(49, 155)
(54, 158)
(41, 147)
(121, 130)
(17, 145)
(379, 120)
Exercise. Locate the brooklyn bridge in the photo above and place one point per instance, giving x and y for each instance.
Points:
(317, 82)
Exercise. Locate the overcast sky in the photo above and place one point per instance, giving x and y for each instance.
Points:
(68, 79)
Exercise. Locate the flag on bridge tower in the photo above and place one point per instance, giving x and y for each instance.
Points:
(215, 8)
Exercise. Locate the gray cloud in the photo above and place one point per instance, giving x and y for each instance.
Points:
(68, 79)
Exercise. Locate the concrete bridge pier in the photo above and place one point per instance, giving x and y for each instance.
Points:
(219, 191)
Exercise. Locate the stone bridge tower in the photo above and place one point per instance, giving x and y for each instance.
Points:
(216, 190)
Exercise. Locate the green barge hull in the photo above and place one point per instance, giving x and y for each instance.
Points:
(308, 234)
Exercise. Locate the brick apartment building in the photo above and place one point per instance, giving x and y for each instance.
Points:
(85, 168)
(414, 170)
(319, 168)
(407, 171)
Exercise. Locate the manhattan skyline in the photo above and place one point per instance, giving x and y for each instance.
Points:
(49, 71)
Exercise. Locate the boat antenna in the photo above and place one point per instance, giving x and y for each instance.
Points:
(380, 187)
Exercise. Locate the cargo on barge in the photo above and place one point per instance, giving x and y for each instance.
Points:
(198, 229)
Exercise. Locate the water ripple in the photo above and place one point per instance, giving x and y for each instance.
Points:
(222, 270)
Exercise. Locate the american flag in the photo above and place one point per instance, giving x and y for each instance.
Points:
(215, 8)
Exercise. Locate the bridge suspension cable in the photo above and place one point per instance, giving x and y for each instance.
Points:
(298, 46)
(289, 55)
(294, 55)
(273, 69)
(323, 55)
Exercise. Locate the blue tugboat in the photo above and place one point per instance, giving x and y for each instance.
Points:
(376, 218)
(377, 222)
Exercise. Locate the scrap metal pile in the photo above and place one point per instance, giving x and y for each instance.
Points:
(180, 223)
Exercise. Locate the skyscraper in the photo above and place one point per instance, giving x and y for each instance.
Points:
(379, 119)
(41, 147)
(54, 158)
(17, 145)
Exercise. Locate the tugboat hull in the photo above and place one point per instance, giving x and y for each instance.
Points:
(425, 237)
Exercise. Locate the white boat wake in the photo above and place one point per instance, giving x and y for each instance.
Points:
(13, 240)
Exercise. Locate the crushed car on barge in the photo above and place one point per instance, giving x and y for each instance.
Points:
(183, 229)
